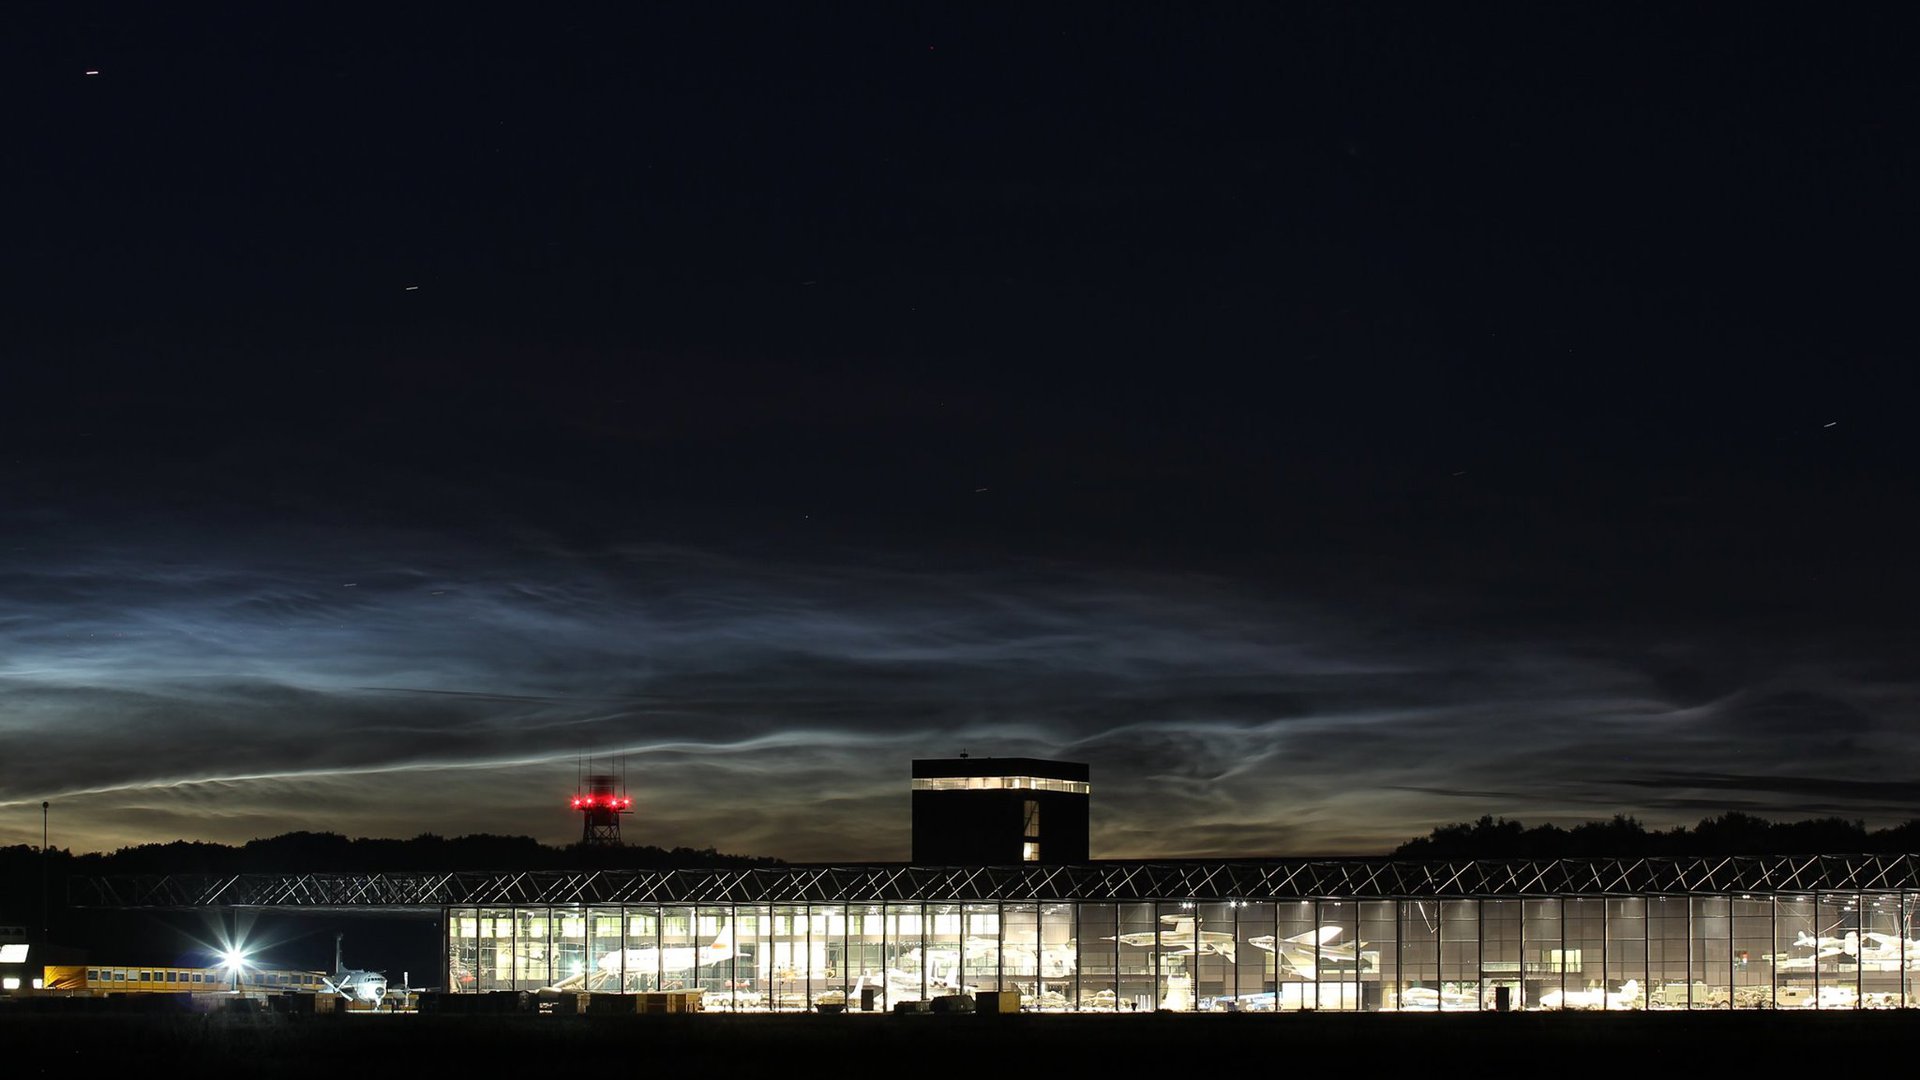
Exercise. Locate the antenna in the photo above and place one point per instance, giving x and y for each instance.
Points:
(600, 798)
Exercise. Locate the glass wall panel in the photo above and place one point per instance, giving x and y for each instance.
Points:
(1140, 952)
(494, 952)
(1542, 953)
(1058, 958)
(1626, 952)
(1909, 948)
(1584, 930)
(463, 953)
(866, 957)
(827, 952)
(1253, 963)
(531, 950)
(942, 959)
(1881, 943)
(1459, 954)
(605, 942)
(569, 929)
(1752, 941)
(1794, 932)
(1379, 933)
(1670, 954)
(673, 966)
(981, 951)
(905, 948)
(635, 966)
(1338, 970)
(1296, 955)
(713, 969)
(1020, 950)
(1419, 955)
(1713, 952)
(1098, 957)
(1500, 922)
(1838, 972)
(1211, 965)
(786, 945)
(753, 959)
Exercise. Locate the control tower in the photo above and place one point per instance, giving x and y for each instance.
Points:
(972, 811)
(600, 805)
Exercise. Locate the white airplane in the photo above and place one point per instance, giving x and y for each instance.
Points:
(1302, 953)
(356, 984)
(1183, 939)
(648, 961)
(942, 972)
(1824, 948)
(1828, 946)
(1887, 952)
(1020, 958)
(1426, 998)
(1627, 997)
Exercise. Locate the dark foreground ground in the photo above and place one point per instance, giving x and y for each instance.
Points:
(917, 1047)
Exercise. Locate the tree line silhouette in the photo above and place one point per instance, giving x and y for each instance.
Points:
(1732, 833)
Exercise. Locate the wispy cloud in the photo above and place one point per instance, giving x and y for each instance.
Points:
(412, 684)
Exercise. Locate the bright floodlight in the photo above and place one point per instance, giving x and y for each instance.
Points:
(233, 958)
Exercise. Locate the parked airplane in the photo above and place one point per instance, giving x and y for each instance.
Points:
(1627, 997)
(648, 961)
(1429, 999)
(1183, 939)
(1302, 953)
(355, 984)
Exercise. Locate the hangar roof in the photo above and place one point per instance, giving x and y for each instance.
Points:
(1112, 880)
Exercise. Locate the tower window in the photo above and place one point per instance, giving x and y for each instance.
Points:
(1032, 830)
(1030, 852)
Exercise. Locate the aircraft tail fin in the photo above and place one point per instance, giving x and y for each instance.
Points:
(721, 947)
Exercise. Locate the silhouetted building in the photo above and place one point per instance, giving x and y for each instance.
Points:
(998, 811)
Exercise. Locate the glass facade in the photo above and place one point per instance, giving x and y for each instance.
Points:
(1824, 950)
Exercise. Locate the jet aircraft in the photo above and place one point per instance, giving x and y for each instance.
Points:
(1888, 952)
(1184, 938)
(1302, 953)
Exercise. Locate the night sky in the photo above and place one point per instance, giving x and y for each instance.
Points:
(1327, 420)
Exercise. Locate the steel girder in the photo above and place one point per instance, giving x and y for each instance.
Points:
(1288, 879)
